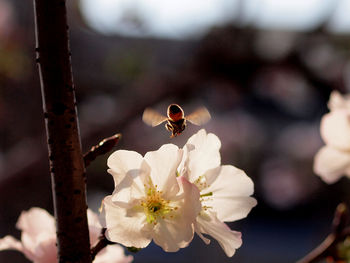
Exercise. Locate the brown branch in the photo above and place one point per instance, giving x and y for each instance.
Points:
(103, 147)
(101, 244)
(63, 139)
(339, 234)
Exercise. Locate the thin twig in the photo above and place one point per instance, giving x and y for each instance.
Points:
(339, 233)
(103, 147)
(101, 244)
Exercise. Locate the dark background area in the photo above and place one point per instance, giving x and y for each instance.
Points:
(265, 89)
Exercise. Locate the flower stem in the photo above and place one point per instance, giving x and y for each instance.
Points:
(339, 233)
(63, 139)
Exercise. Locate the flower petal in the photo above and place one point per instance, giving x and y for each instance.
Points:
(164, 163)
(177, 232)
(132, 186)
(113, 254)
(205, 154)
(338, 101)
(335, 129)
(122, 228)
(9, 242)
(330, 164)
(229, 240)
(94, 226)
(230, 188)
(36, 225)
(121, 162)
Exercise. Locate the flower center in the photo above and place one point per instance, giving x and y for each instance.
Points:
(155, 206)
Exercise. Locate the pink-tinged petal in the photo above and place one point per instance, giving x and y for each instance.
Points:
(164, 163)
(35, 221)
(335, 129)
(173, 233)
(124, 227)
(46, 251)
(230, 188)
(121, 162)
(94, 226)
(36, 225)
(229, 240)
(10, 243)
(205, 154)
(113, 254)
(330, 164)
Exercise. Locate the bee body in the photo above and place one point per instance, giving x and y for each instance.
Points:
(176, 120)
(175, 127)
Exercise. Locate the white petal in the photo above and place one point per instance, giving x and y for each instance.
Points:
(330, 164)
(177, 232)
(121, 162)
(112, 254)
(230, 188)
(8, 242)
(122, 228)
(335, 129)
(205, 154)
(336, 101)
(164, 163)
(132, 186)
(229, 240)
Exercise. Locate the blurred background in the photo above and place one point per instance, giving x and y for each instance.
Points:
(263, 68)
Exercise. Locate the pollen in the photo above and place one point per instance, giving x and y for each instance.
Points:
(155, 206)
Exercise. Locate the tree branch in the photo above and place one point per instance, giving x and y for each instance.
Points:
(103, 147)
(101, 244)
(339, 234)
(63, 139)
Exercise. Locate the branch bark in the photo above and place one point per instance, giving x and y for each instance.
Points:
(340, 232)
(63, 139)
(102, 148)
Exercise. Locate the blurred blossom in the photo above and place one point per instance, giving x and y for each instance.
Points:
(282, 183)
(333, 160)
(241, 134)
(149, 202)
(300, 141)
(324, 59)
(225, 190)
(287, 88)
(274, 44)
(7, 22)
(38, 239)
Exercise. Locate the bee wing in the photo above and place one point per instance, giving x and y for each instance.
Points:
(199, 116)
(152, 117)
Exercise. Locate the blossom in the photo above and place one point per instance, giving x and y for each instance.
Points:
(224, 190)
(38, 238)
(149, 202)
(333, 160)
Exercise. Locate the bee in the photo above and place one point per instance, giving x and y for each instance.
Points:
(176, 120)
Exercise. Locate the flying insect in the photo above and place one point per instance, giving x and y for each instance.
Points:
(175, 119)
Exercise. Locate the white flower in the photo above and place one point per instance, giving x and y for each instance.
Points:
(149, 202)
(38, 238)
(225, 190)
(333, 160)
